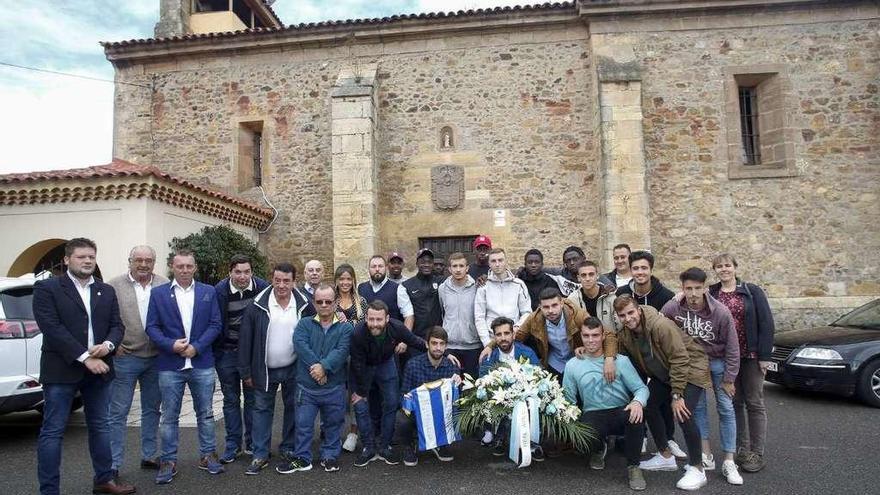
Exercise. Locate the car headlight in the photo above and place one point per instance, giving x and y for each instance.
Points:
(819, 353)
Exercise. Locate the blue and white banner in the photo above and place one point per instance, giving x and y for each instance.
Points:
(432, 404)
(525, 428)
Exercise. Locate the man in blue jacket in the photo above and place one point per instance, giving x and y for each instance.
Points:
(508, 350)
(321, 344)
(183, 320)
(267, 360)
(235, 293)
(79, 318)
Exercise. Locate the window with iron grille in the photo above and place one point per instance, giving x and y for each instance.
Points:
(258, 158)
(751, 136)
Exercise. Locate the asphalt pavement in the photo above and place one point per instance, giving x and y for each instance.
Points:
(817, 444)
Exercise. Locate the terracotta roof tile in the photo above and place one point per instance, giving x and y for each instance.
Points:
(348, 22)
(122, 168)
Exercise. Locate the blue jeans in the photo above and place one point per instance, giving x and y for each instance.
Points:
(201, 386)
(724, 403)
(264, 412)
(226, 363)
(385, 376)
(131, 370)
(95, 391)
(330, 404)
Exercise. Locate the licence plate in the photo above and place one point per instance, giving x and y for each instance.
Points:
(773, 366)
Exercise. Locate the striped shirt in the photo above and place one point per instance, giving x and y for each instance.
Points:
(432, 404)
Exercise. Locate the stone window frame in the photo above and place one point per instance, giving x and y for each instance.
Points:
(775, 125)
(243, 180)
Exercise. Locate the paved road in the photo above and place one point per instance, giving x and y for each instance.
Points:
(817, 445)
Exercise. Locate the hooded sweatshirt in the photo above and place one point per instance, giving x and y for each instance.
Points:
(458, 313)
(535, 284)
(506, 296)
(658, 296)
(712, 327)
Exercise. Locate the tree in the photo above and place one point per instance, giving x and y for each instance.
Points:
(213, 247)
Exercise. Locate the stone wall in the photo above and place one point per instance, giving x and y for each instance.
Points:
(805, 235)
(520, 114)
(528, 130)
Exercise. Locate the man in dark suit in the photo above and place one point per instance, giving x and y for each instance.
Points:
(79, 318)
(183, 320)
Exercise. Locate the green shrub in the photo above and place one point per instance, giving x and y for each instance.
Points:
(213, 247)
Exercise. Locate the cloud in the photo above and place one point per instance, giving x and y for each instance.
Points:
(61, 122)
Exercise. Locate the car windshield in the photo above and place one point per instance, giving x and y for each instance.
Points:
(867, 316)
(18, 303)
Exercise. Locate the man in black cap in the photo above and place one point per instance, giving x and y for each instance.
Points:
(395, 268)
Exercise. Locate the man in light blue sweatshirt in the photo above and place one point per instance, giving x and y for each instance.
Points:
(610, 408)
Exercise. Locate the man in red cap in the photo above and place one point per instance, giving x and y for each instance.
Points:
(480, 268)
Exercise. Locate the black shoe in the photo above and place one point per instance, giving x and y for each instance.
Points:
(409, 457)
(500, 449)
(389, 456)
(538, 454)
(256, 466)
(293, 465)
(150, 463)
(330, 465)
(443, 453)
(365, 457)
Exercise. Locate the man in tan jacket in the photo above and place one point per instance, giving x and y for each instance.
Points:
(555, 328)
(134, 360)
(678, 375)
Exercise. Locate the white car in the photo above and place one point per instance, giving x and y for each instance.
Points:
(20, 343)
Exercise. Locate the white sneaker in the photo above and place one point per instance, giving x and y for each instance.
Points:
(708, 462)
(659, 463)
(676, 450)
(487, 438)
(644, 445)
(351, 442)
(693, 479)
(728, 469)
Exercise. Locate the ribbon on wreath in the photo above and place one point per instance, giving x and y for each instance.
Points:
(525, 428)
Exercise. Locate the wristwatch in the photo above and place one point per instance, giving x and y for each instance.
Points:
(676, 396)
(110, 346)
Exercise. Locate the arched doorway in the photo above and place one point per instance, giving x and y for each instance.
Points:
(45, 255)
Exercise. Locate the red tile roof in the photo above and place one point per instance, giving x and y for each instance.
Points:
(348, 22)
(122, 168)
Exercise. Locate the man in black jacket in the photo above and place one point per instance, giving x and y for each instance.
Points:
(644, 287)
(373, 346)
(418, 298)
(79, 318)
(267, 360)
(535, 277)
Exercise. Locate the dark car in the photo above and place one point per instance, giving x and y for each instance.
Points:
(842, 358)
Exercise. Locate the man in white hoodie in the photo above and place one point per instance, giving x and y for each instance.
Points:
(502, 295)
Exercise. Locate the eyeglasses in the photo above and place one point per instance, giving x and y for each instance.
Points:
(324, 302)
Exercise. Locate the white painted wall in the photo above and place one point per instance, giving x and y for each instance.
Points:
(114, 225)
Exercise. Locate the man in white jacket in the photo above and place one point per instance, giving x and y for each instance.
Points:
(502, 295)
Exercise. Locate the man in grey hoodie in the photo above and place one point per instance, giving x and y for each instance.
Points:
(502, 295)
(710, 324)
(457, 294)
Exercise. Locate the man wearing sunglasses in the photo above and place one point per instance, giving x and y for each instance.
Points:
(321, 344)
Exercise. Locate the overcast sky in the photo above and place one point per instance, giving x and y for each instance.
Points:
(52, 122)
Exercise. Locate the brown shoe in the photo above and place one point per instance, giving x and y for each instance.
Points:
(115, 487)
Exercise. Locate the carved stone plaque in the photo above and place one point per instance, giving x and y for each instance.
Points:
(447, 186)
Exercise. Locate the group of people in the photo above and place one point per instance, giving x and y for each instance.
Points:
(627, 349)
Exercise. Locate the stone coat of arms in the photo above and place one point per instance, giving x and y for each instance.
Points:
(447, 186)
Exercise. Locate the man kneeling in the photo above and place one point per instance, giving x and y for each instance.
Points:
(610, 408)
(508, 350)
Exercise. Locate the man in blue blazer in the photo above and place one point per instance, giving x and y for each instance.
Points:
(79, 318)
(183, 320)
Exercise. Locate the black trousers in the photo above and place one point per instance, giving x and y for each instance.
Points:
(614, 422)
(661, 396)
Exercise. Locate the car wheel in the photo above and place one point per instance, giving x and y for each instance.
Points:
(869, 383)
